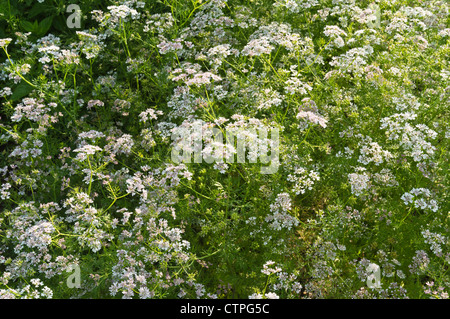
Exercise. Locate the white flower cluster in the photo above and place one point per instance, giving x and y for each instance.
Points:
(191, 74)
(365, 16)
(131, 276)
(281, 218)
(365, 268)
(288, 282)
(34, 110)
(90, 44)
(5, 91)
(419, 263)
(347, 154)
(412, 138)
(353, 61)
(35, 290)
(32, 236)
(48, 48)
(209, 22)
(28, 149)
(417, 12)
(360, 181)
(183, 102)
(217, 54)
(267, 295)
(294, 6)
(165, 179)
(38, 235)
(372, 152)
(159, 22)
(406, 102)
(31, 231)
(87, 222)
(239, 141)
(435, 292)
(257, 47)
(92, 135)
(123, 13)
(398, 25)
(166, 46)
(188, 138)
(363, 181)
(137, 271)
(312, 117)
(5, 42)
(285, 282)
(303, 179)
(267, 98)
(266, 38)
(444, 33)
(435, 240)
(295, 85)
(120, 145)
(309, 112)
(85, 151)
(385, 178)
(421, 198)
(335, 34)
(4, 193)
(268, 269)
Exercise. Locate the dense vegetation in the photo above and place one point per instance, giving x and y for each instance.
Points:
(357, 208)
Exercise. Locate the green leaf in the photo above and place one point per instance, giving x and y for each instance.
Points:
(21, 91)
(59, 23)
(37, 9)
(13, 6)
(4, 10)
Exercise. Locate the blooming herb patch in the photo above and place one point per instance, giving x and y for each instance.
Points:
(225, 149)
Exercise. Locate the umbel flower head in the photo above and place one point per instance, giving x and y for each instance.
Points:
(4, 42)
(86, 150)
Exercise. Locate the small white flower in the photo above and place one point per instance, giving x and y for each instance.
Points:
(4, 42)
(271, 295)
(85, 151)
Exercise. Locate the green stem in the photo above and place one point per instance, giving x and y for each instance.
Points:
(266, 285)
(196, 191)
(15, 70)
(401, 222)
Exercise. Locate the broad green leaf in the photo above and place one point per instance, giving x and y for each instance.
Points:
(37, 9)
(59, 23)
(29, 26)
(44, 25)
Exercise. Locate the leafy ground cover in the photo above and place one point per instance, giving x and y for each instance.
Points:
(93, 205)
